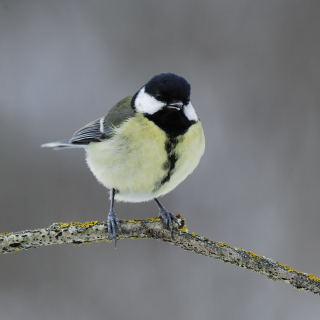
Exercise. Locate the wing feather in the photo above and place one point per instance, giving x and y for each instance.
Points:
(92, 132)
(97, 130)
(101, 129)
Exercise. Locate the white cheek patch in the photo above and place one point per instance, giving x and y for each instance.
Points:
(189, 112)
(145, 103)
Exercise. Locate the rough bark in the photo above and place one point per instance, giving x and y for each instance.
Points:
(95, 231)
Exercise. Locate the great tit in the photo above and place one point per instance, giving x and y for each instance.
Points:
(144, 146)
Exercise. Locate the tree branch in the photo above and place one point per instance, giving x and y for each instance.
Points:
(95, 231)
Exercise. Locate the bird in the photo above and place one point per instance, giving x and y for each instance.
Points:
(144, 147)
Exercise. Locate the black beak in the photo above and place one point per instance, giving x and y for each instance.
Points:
(175, 105)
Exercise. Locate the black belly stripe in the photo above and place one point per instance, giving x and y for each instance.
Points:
(170, 163)
(175, 124)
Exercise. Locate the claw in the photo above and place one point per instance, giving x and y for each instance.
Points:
(167, 219)
(166, 216)
(113, 223)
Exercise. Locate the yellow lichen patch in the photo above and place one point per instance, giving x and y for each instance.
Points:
(254, 255)
(287, 267)
(221, 244)
(194, 234)
(132, 221)
(313, 277)
(78, 224)
(155, 219)
(184, 229)
(5, 234)
(207, 239)
(310, 275)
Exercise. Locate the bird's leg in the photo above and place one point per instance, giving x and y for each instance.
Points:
(113, 221)
(166, 216)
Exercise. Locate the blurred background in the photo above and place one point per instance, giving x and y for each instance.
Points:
(254, 68)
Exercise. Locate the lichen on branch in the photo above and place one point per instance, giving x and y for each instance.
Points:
(153, 228)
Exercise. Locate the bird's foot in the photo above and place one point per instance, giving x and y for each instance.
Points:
(113, 223)
(167, 218)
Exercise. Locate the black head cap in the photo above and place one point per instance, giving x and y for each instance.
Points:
(169, 88)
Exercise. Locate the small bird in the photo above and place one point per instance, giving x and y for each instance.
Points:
(144, 146)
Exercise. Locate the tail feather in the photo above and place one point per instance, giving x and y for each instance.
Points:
(63, 144)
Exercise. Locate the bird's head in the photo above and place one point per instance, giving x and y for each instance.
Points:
(165, 94)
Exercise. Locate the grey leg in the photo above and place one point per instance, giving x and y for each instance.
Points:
(113, 221)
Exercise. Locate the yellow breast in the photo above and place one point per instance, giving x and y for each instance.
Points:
(135, 160)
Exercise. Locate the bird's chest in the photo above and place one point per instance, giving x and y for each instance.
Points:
(140, 161)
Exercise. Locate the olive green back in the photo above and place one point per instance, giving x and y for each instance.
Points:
(119, 113)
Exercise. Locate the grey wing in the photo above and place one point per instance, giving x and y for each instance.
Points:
(95, 131)
(101, 129)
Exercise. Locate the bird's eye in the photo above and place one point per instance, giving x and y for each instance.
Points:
(158, 96)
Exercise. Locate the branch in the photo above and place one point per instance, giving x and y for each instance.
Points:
(95, 231)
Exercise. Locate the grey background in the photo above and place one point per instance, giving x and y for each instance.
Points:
(254, 67)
